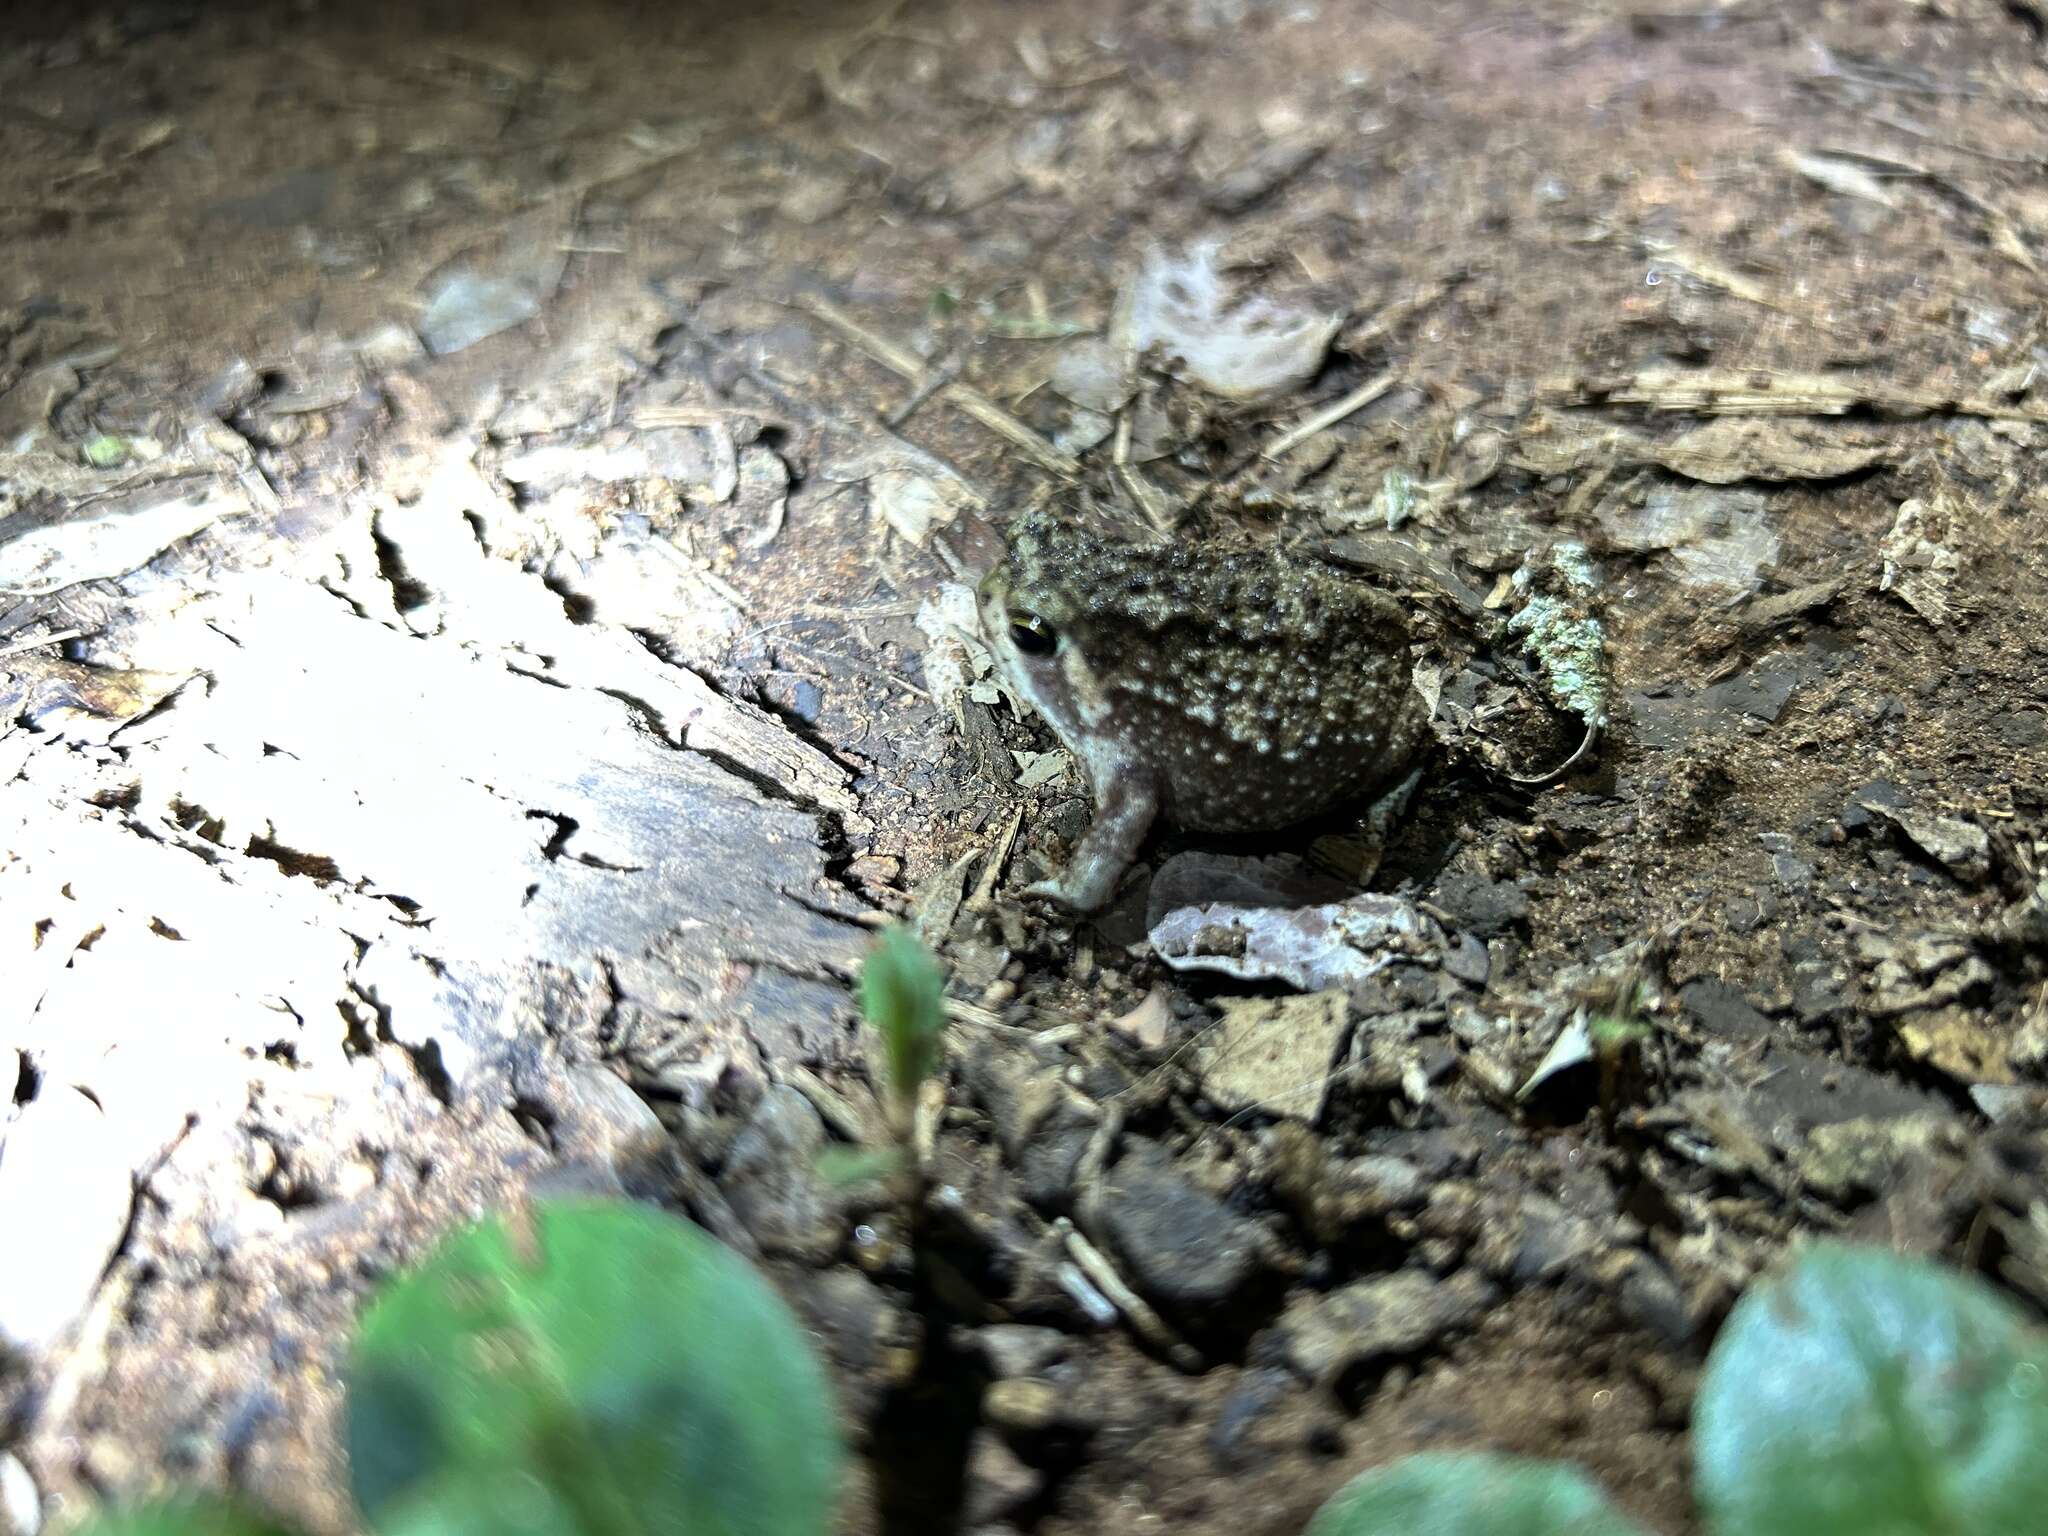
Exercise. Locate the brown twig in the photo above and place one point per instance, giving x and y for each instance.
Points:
(1760, 392)
(964, 398)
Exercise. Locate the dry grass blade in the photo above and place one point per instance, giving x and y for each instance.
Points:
(1760, 392)
(39, 641)
(962, 397)
(1326, 418)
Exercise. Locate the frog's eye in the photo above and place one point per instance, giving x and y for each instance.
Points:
(1031, 634)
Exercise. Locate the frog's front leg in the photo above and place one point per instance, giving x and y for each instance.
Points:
(1125, 807)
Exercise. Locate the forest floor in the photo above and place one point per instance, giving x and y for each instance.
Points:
(481, 491)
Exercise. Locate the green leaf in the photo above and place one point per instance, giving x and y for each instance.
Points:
(1862, 1392)
(904, 999)
(1024, 327)
(105, 451)
(849, 1167)
(603, 1369)
(1470, 1493)
(183, 1517)
(475, 1505)
(1609, 1033)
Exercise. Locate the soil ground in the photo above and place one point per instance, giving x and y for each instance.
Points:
(489, 771)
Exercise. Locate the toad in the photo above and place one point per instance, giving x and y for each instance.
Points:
(1226, 687)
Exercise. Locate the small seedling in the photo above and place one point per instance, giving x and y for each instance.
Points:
(1861, 1393)
(851, 1167)
(105, 451)
(185, 1516)
(588, 1369)
(1470, 1493)
(903, 998)
(1611, 1036)
(595, 1370)
(580, 1368)
(1857, 1394)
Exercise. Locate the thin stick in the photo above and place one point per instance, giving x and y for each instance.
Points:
(1742, 392)
(962, 397)
(39, 642)
(1329, 416)
(1147, 496)
(998, 857)
(1146, 1323)
(833, 1107)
